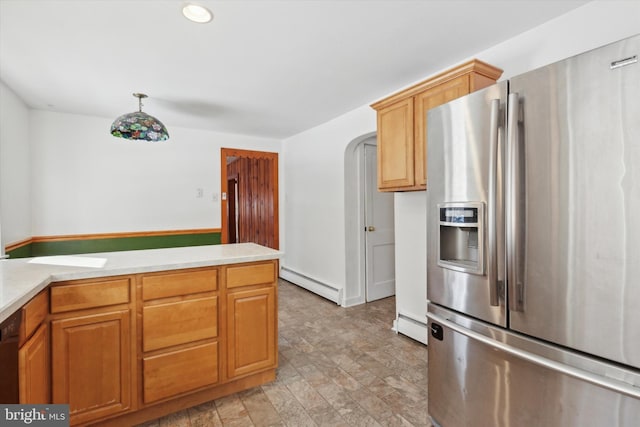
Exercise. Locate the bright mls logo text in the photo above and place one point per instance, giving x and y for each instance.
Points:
(32, 414)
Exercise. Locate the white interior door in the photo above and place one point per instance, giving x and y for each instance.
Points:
(379, 233)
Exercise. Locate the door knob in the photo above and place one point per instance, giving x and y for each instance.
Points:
(371, 228)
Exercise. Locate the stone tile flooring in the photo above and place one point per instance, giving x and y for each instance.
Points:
(337, 367)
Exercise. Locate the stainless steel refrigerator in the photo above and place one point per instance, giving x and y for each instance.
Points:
(533, 253)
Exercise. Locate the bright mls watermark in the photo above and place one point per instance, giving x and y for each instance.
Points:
(34, 415)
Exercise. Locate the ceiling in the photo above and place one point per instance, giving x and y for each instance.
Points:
(261, 67)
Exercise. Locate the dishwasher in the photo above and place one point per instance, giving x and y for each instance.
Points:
(9, 336)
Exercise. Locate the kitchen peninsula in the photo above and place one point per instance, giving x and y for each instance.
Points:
(142, 333)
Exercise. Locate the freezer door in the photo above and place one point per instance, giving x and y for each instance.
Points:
(481, 375)
(465, 270)
(575, 275)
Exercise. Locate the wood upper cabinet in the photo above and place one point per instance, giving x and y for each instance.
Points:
(92, 347)
(396, 155)
(402, 122)
(437, 95)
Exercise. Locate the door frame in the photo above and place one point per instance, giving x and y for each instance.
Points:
(234, 205)
(354, 292)
(366, 184)
(251, 154)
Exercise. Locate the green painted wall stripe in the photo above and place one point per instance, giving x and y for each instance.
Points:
(68, 247)
(21, 252)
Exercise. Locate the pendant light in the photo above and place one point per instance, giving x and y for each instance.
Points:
(139, 125)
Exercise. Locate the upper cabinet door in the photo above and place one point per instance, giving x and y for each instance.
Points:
(395, 145)
(424, 101)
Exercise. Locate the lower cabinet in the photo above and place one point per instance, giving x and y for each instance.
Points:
(179, 322)
(124, 349)
(179, 332)
(91, 364)
(33, 368)
(175, 372)
(251, 330)
(34, 374)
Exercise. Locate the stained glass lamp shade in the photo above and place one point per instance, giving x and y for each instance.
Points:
(139, 125)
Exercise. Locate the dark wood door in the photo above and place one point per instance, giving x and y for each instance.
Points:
(256, 196)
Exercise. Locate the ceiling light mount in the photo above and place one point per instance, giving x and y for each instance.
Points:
(197, 13)
(139, 126)
(140, 96)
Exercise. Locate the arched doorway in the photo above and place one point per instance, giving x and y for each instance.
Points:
(359, 261)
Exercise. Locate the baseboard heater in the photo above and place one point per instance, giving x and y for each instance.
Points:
(316, 286)
(412, 327)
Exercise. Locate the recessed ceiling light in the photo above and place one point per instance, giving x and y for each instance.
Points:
(197, 13)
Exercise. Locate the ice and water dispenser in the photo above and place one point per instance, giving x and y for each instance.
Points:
(461, 237)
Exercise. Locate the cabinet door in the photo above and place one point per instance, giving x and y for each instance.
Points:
(395, 146)
(251, 330)
(33, 368)
(438, 95)
(91, 358)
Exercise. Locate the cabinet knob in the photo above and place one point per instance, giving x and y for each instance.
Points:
(371, 228)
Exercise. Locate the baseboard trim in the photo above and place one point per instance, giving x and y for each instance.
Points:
(412, 327)
(325, 290)
(357, 300)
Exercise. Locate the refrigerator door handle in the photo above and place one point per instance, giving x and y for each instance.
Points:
(514, 187)
(492, 214)
(608, 383)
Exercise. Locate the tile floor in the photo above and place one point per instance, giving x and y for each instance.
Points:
(337, 367)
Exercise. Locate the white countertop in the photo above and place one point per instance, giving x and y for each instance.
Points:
(21, 279)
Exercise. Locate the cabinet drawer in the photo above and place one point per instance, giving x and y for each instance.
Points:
(251, 274)
(166, 375)
(33, 313)
(89, 295)
(180, 322)
(176, 284)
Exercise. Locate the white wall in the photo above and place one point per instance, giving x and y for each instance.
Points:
(15, 193)
(588, 27)
(314, 203)
(314, 227)
(87, 181)
(411, 272)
